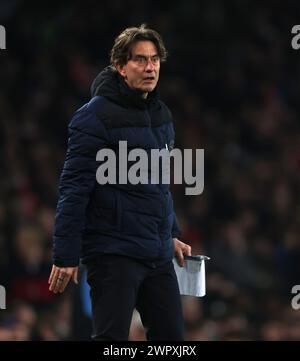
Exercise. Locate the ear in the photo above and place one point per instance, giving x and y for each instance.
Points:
(121, 70)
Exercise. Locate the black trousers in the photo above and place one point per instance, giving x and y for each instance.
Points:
(120, 284)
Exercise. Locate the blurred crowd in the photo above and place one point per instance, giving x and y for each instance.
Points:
(232, 82)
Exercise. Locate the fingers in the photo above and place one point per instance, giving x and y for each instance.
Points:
(179, 253)
(62, 283)
(180, 258)
(59, 282)
(52, 274)
(188, 250)
(182, 249)
(60, 277)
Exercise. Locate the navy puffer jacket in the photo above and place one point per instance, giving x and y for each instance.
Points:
(132, 220)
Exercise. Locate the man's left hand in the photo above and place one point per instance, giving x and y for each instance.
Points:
(181, 249)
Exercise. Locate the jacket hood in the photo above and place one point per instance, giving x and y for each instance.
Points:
(110, 84)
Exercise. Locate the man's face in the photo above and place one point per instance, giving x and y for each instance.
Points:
(142, 70)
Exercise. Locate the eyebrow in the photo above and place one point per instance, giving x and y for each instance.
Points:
(144, 56)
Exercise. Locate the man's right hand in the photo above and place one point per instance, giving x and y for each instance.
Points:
(60, 277)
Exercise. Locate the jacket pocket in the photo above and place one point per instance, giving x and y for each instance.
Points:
(105, 211)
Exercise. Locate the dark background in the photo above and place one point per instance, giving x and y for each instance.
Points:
(232, 81)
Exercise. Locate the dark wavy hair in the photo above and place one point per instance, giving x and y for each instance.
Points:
(121, 51)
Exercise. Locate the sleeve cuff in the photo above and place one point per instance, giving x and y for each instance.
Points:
(66, 262)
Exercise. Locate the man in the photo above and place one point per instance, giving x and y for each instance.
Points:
(126, 234)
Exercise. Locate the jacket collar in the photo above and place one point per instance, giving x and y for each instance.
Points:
(109, 83)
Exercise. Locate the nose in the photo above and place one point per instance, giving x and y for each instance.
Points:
(149, 66)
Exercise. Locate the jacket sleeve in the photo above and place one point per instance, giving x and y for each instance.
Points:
(176, 231)
(87, 136)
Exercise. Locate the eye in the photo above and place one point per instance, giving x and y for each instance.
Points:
(140, 59)
(155, 59)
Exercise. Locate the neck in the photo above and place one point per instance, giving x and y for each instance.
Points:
(144, 95)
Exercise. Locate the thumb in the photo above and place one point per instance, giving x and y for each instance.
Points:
(75, 276)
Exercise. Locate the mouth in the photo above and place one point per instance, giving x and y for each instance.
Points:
(149, 79)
